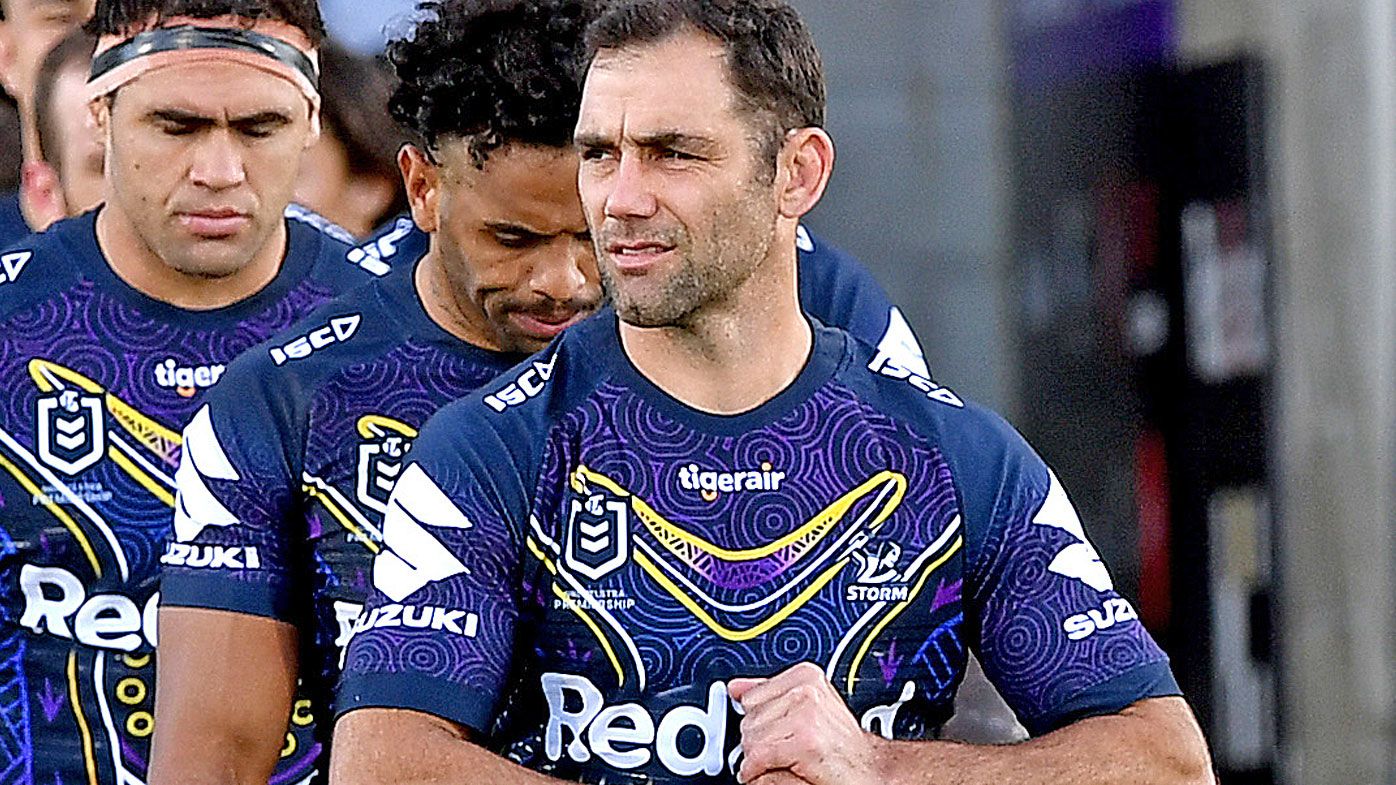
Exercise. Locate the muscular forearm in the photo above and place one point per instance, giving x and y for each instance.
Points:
(1155, 742)
(388, 747)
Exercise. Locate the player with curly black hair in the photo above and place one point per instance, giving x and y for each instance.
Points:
(285, 474)
(114, 324)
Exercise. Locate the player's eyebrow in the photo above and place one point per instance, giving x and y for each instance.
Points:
(268, 117)
(180, 117)
(184, 117)
(659, 140)
(670, 140)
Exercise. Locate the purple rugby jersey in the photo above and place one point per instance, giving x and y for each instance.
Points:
(574, 565)
(99, 379)
(288, 466)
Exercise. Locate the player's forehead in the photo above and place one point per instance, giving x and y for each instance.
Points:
(21, 8)
(217, 91)
(531, 187)
(678, 84)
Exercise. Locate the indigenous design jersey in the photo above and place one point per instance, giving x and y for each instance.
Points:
(575, 565)
(99, 379)
(835, 288)
(288, 466)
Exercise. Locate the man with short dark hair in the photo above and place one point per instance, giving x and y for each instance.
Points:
(113, 325)
(67, 179)
(719, 541)
(293, 455)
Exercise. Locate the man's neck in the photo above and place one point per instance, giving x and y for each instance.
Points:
(136, 263)
(438, 296)
(736, 356)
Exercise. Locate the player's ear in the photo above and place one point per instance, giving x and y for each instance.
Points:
(422, 179)
(99, 117)
(803, 168)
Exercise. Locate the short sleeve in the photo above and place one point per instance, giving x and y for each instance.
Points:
(237, 528)
(1053, 634)
(437, 634)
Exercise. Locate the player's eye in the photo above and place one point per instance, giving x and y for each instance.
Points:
(595, 154)
(517, 239)
(176, 128)
(670, 154)
(259, 131)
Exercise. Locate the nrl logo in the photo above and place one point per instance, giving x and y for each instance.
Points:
(598, 535)
(72, 436)
(385, 443)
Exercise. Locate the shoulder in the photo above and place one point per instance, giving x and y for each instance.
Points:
(830, 267)
(38, 267)
(511, 418)
(990, 462)
(353, 328)
(395, 245)
(332, 250)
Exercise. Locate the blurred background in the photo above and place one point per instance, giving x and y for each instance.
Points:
(1160, 236)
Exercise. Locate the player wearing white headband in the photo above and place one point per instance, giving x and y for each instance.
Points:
(112, 327)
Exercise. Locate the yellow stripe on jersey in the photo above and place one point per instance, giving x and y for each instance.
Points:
(800, 542)
(901, 606)
(572, 605)
(35, 492)
(89, 757)
(729, 633)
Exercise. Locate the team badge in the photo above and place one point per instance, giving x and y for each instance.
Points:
(384, 444)
(598, 535)
(72, 436)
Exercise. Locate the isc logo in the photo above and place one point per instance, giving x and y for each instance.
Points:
(529, 385)
(339, 330)
(12, 264)
(888, 365)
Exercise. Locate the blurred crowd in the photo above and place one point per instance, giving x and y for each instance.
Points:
(51, 158)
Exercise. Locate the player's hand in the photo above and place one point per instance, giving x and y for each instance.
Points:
(798, 730)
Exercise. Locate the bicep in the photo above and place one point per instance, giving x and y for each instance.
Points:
(224, 686)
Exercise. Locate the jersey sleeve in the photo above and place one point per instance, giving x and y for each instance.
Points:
(437, 633)
(236, 525)
(1053, 634)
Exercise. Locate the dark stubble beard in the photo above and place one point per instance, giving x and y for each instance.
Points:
(707, 270)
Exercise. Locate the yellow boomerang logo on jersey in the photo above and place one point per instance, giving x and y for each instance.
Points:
(377, 426)
(158, 440)
(878, 497)
(379, 462)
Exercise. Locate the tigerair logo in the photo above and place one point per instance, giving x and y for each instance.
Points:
(187, 380)
(711, 484)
